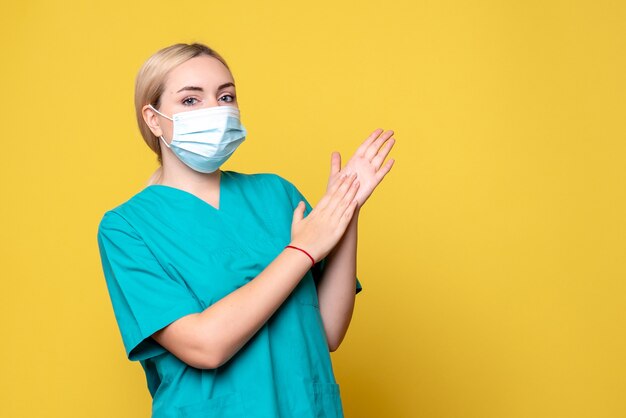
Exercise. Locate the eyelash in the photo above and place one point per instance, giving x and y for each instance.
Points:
(232, 97)
(186, 100)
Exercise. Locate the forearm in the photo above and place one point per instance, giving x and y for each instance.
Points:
(337, 288)
(210, 338)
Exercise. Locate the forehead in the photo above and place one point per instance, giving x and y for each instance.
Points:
(203, 71)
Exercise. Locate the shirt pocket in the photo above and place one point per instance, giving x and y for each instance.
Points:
(223, 406)
(325, 399)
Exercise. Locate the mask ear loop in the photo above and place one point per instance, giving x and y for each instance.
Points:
(152, 107)
(164, 141)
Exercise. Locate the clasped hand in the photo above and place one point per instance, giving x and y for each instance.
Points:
(367, 163)
(347, 190)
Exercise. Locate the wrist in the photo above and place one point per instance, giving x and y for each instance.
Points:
(354, 221)
(302, 250)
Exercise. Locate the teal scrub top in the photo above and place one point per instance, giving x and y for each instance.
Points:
(166, 253)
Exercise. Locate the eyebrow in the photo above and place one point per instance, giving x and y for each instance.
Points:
(196, 88)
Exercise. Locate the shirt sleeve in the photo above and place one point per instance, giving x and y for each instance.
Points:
(318, 269)
(145, 298)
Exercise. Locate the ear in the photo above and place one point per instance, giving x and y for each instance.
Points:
(152, 120)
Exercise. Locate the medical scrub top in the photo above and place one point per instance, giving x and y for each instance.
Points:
(166, 253)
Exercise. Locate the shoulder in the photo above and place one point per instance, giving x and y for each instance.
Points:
(114, 223)
(120, 217)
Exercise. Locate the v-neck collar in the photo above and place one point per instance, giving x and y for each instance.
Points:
(223, 177)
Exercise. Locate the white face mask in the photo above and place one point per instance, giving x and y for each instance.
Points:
(205, 138)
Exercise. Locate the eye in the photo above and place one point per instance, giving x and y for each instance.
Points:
(189, 101)
(232, 98)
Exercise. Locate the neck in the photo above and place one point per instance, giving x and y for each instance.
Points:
(176, 174)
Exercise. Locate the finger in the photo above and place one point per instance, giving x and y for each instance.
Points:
(380, 174)
(377, 161)
(328, 196)
(375, 146)
(360, 151)
(346, 217)
(339, 194)
(298, 213)
(335, 163)
(345, 187)
(347, 199)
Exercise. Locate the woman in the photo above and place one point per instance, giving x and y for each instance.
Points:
(228, 287)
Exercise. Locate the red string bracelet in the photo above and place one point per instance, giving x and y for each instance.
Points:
(300, 249)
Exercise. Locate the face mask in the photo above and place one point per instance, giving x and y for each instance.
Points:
(205, 138)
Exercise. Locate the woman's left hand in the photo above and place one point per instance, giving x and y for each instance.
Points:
(367, 162)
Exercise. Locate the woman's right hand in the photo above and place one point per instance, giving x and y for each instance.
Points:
(324, 226)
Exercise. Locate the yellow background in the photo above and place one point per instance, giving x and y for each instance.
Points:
(492, 256)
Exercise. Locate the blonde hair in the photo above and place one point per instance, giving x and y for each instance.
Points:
(150, 83)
